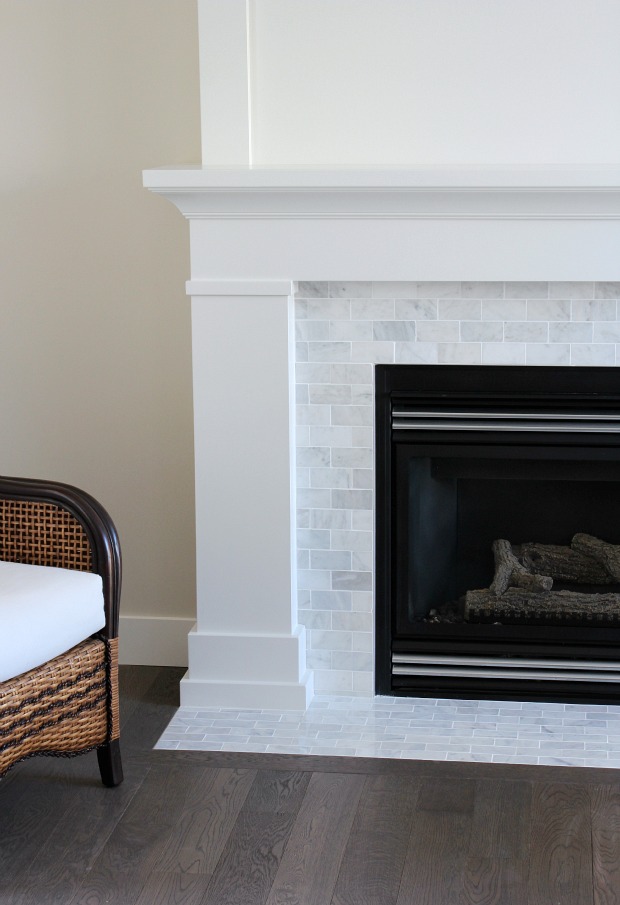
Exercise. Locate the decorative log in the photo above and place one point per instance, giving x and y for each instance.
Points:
(563, 564)
(608, 555)
(510, 572)
(517, 605)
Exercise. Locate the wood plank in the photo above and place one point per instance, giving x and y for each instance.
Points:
(140, 836)
(561, 849)
(173, 889)
(198, 839)
(374, 857)
(439, 845)
(251, 857)
(497, 866)
(606, 843)
(309, 869)
(69, 850)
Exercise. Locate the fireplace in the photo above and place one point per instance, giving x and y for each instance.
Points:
(528, 460)
(262, 636)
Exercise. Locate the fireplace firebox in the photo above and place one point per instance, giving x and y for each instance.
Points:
(498, 532)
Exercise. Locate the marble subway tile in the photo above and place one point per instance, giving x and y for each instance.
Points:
(331, 518)
(350, 373)
(562, 290)
(351, 581)
(327, 310)
(393, 331)
(368, 309)
(356, 541)
(353, 289)
(313, 456)
(572, 332)
(459, 353)
(352, 414)
(547, 354)
(606, 332)
(331, 478)
(549, 310)
(594, 310)
(438, 331)
(416, 353)
(526, 290)
(416, 309)
(594, 354)
(482, 290)
(504, 310)
(329, 394)
(331, 600)
(503, 353)
(316, 619)
(331, 559)
(329, 351)
(481, 331)
(526, 332)
(352, 458)
(374, 352)
(459, 310)
(352, 499)
(330, 640)
(313, 539)
(314, 372)
(607, 290)
(312, 330)
(438, 290)
(307, 289)
(395, 290)
(351, 331)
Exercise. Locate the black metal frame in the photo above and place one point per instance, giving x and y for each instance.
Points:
(508, 387)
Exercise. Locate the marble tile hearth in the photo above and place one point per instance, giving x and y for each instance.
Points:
(504, 732)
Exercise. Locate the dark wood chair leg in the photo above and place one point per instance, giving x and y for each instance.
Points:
(110, 766)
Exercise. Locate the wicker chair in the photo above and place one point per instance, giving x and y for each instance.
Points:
(68, 705)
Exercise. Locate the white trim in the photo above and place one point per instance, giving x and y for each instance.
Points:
(224, 82)
(398, 178)
(418, 194)
(154, 640)
(239, 287)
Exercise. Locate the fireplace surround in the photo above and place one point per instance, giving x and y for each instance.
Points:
(467, 455)
(253, 232)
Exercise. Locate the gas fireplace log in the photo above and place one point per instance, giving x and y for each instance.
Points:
(510, 572)
(563, 564)
(517, 605)
(608, 555)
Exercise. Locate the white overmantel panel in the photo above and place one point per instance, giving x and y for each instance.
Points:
(408, 82)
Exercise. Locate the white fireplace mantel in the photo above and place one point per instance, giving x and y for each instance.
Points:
(253, 232)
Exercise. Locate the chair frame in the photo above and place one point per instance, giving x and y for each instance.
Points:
(69, 705)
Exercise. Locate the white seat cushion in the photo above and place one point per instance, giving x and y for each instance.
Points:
(43, 613)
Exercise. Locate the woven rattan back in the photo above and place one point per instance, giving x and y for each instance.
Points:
(43, 534)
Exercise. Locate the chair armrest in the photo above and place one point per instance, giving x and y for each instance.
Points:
(53, 524)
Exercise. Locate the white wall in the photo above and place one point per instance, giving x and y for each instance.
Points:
(409, 82)
(95, 347)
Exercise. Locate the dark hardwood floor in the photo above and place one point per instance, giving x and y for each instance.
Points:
(234, 829)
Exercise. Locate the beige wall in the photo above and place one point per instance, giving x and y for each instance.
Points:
(95, 364)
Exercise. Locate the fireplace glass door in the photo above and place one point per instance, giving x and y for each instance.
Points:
(498, 496)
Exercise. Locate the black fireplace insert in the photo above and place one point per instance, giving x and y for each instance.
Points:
(497, 532)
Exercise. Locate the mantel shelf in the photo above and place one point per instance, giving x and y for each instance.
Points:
(465, 178)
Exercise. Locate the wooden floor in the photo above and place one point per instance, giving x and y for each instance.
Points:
(230, 829)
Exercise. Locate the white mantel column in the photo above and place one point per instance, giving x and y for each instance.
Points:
(247, 649)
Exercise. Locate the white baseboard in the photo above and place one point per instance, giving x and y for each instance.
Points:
(154, 640)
